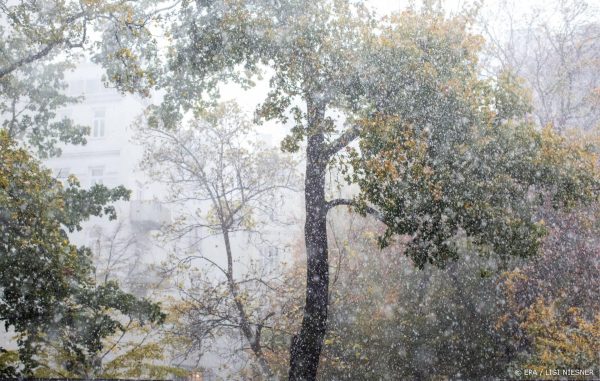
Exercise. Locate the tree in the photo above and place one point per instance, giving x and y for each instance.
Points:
(47, 293)
(230, 186)
(28, 36)
(555, 49)
(36, 54)
(113, 255)
(389, 320)
(442, 153)
(28, 106)
(551, 301)
(562, 339)
(47, 290)
(135, 350)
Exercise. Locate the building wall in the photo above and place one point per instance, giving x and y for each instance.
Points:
(125, 249)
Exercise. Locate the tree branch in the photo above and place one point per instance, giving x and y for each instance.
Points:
(367, 209)
(342, 141)
(13, 66)
(46, 49)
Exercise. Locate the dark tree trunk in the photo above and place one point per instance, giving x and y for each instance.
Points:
(306, 346)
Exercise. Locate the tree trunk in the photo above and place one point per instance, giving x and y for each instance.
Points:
(306, 346)
(245, 327)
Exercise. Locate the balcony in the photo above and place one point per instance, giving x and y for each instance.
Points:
(149, 214)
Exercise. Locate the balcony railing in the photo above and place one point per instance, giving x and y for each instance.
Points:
(149, 214)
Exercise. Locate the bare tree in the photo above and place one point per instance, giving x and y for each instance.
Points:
(228, 185)
(114, 253)
(556, 50)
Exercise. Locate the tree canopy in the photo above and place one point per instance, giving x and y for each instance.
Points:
(40, 42)
(46, 283)
(444, 156)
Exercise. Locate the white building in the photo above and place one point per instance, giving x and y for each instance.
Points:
(127, 248)
(122, 248)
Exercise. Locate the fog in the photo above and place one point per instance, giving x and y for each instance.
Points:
(265, 190)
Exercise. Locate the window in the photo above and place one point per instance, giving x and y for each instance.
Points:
(269, 257)
(92, 86)
(95, 239)
(99, 123)
(76, 87)
(96, 174)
